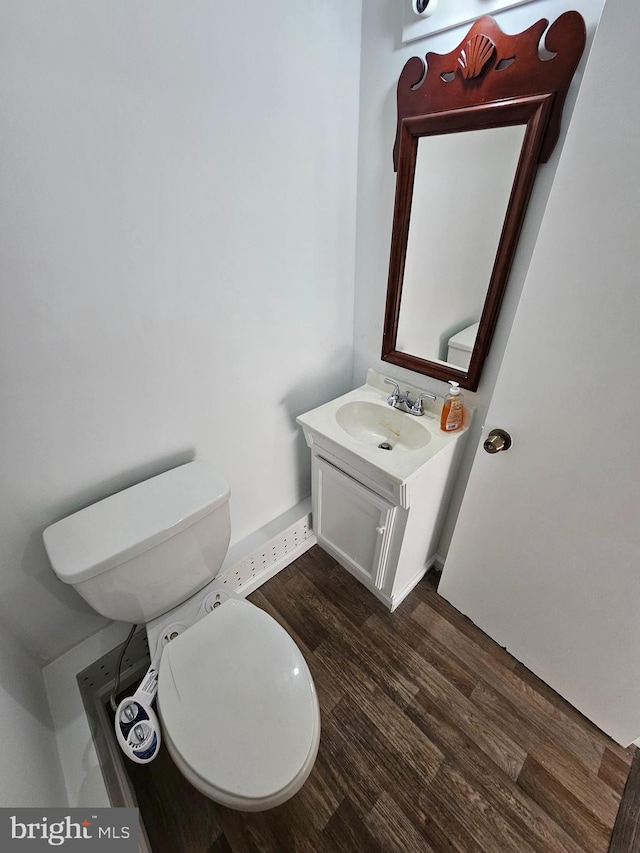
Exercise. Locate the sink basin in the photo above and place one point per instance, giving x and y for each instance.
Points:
(381, 426)
(349, 430)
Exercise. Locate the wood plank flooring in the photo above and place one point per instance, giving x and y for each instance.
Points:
(433, 737)
(626, 832)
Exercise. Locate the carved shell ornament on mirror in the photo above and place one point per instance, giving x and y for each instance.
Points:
(475, 55)
(490, 65)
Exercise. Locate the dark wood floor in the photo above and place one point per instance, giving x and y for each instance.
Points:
(433, 738)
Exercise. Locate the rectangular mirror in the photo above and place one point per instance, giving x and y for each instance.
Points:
(473, 125)
(444, 289)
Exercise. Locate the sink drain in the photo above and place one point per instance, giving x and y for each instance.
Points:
(384, 445)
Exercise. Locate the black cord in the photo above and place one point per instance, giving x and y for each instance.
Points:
(112, 699)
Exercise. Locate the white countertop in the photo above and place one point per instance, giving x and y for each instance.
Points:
(398, 465)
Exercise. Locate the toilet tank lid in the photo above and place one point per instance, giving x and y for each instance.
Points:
(465, 338)
(125, 525)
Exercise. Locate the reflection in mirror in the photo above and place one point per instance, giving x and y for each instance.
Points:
(473, 125)
(449, 258)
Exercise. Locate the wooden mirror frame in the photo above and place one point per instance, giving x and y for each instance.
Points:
(490, 80)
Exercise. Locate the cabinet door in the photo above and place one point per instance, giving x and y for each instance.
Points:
(352, 522)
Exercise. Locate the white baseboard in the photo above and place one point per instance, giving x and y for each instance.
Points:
(437, 562)
(262, 555)
(399, 597)
(432, 562)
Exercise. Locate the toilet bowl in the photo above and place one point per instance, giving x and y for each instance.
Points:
(254, 697)
(238, 708)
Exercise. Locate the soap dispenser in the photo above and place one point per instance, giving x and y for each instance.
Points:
(453, 409)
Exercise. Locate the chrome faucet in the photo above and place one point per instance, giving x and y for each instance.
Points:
(404, 402)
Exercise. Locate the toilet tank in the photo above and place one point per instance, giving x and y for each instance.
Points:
(461, 346)
(142, 551)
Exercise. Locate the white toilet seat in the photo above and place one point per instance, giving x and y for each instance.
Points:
(239, 708)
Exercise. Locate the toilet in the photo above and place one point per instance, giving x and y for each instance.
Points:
(460, 346)
(238, 707)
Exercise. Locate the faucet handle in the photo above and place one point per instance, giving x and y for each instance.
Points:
(395, 394)
(416, 407)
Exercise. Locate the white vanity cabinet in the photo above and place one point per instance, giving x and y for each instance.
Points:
(386, 534)
(379, 512)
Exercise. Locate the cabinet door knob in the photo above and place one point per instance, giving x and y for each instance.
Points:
(380, 530)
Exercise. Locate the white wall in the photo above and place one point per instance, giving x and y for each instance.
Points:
(177, 227)
(383, 57)
(31, 773)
